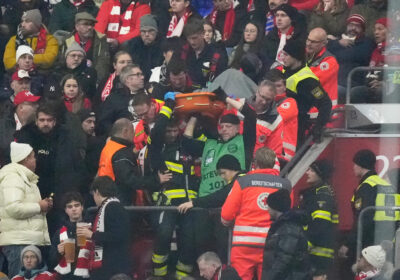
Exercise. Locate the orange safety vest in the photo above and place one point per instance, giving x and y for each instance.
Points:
(140, 139)
(246, 204)
(105, 163)
(288, 110)
(326, 68)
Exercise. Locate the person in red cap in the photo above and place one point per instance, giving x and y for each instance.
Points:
(353, 49)
(371, 10)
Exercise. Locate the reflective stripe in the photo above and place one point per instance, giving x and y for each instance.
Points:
(166, 111)
(251, 229)
(177, 167)
(180, 274)
(179, 193)
(335, 218)
(159, 258)
(250, 239)
(270, 126)
(321, 214)
(161, 271)
(288, 157)
(321, 251)
(184, 267)
(289, 146)
(202, 138)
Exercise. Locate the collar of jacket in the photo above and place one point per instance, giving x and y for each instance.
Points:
(270, 171)
(366, 175)
(122, 141)
(290, 72)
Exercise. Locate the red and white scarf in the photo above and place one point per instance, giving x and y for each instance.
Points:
(114, 28)
(108, 87)
(366, 275)
(96, 254)
(77, 3)
(82, 264)
(175, 27)
(41, 41)
(87, 45)
(229, 22)
(282, 43)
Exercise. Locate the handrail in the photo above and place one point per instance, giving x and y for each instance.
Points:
(297, 157)
(359, 69)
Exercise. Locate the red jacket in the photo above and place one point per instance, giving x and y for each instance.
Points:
(307, 5)
(247, 205)
(41, 276)
(288, 110)
(103, 19)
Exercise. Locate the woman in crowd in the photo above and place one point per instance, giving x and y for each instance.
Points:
(74, 97)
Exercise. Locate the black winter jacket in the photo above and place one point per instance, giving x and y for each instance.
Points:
(286, 249)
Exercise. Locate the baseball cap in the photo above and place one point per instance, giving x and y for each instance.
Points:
(25, 96)
(19, 75)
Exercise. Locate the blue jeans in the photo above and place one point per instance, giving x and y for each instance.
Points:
(13, 256)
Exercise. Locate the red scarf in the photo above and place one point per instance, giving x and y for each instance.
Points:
(77, 3)
(250, 6)
(114, 28)
(41, 41)
(108, 87)
(82, 264)
(175, 27)
(377, 57)
(229, 22)
(86, 46)
(289, 33)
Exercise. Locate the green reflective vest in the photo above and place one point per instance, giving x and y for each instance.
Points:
(213, 151)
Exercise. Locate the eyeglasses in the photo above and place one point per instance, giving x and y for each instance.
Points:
(314, 42)
(137, 75)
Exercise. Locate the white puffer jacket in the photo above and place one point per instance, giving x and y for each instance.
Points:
(21, 221)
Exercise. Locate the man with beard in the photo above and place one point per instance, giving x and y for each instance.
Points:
(93, 42)
(33, 33)
(371, 10)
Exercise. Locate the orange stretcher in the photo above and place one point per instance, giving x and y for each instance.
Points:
(201, 102)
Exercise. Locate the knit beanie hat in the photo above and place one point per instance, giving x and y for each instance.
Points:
(323, 168)
(84, 114)
(374, 255)
(75, 47)
(33, 249)
(384, 21)
(23, 49)
(296, 49)
(33, 16)
(356, 18)
(365, 159)
(19, 151)
(230, 118)
(228, 162)
(289, 10)
(280, 200)
(148, 22)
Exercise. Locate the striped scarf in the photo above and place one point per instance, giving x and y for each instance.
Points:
(229, 22)
(82, 264)
(114, 28)
(270, 23)
(108, 87)
(176, 27)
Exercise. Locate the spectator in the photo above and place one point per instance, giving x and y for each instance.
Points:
(269, 121)
(211, 35)
(211, 268)
(145, 49)
(331, 16)
(286, 250)
(74, 98)
(119, 103)
(20, 81)
(270, 17)
(23, 211)
(121, 59)
(93, 42)
(24, 58)
(110, 232)
(75, 64)
(179, 80)
(246, 208)
(371, 262)
(33, 33)
(19, 115)
(229, 18)
(353, 49)
(304, 86)
(287, 108)
(373, 92)
(64, 13)
(204, 62)
(286, 28)
(250, 42)
(14, 10)
(181, 12)
(319, 204)
(118, 162)
(33, 268)
(323, 64)
(371, 10)
(72, 203)
(120, 20)
(168, 48)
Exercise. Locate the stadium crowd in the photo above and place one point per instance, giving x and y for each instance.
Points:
(93, 114)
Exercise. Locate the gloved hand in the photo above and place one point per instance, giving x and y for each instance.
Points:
(317, 133)
(220, 94)
(170, 95)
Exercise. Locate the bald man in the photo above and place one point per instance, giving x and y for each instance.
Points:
(323, 64)
(118, 161)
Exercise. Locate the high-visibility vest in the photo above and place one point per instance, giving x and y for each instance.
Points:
(105, 162)
(296, 78)
(289, 112)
